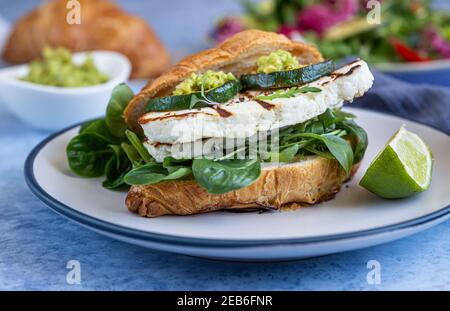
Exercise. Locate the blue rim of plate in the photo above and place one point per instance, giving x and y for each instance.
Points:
(135, 234)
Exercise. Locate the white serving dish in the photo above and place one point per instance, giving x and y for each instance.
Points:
(354, 219)
(51, 108)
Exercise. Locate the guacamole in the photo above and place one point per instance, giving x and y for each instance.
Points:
(56, 68)
(209, 80)
(280, 60)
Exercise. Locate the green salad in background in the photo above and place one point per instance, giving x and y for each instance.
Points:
(56, 68)
(410, 30)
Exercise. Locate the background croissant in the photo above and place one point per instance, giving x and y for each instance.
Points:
(104, 26)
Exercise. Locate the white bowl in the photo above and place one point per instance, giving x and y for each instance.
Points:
(51, 108)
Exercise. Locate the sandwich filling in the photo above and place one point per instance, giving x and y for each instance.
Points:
(224, 146)
(182, 134)
(277, 61)
(206, 81)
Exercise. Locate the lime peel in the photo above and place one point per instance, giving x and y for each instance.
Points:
(402, 168)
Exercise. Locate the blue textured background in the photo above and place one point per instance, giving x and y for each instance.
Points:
(35, 243)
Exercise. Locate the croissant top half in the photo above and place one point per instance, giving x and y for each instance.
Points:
(238, 55)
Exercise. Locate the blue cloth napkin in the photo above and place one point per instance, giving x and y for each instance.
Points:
(423, 103)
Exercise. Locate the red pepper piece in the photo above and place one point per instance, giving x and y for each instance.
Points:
(406, 52)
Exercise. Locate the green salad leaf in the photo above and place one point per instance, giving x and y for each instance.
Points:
(292, 92)
(116, 168)
(358, 136)
(219, 177)
(132, 155)
(287, 155)
(338, 147)
(152, 173)
(120, 97)
(137, 144)
(86, 124)
(88, 154)
(98, 148)
(105, 147)
(100, 128)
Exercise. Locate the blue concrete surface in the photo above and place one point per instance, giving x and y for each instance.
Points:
(36, 243)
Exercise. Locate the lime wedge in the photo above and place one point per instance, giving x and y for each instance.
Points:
(401, 169)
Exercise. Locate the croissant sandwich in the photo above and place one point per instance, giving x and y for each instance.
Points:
(255, 123)
(103, 26)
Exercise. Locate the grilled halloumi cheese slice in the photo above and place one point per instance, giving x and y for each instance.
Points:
(210, 147)
(245, 116)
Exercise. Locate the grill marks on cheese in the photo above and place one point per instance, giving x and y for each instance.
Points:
(336, 75)
(265, 105)
(222, 112)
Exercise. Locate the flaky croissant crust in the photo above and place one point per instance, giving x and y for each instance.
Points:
(309, 181)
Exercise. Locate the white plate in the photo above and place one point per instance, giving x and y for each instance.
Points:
(354, 219)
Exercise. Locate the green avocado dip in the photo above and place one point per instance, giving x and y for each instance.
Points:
(280, 60)
(56, 68)
(208, 81)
